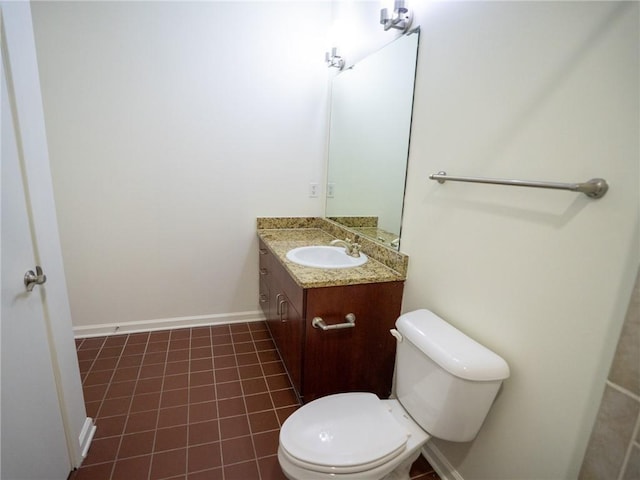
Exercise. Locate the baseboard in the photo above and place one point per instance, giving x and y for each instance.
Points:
(440, 464)
(86, 436)
(100, 330)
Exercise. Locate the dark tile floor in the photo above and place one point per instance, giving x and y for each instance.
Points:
(194, 403)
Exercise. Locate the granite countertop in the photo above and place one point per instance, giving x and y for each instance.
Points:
(280, 241)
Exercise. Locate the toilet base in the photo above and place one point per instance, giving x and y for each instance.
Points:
(401, 472)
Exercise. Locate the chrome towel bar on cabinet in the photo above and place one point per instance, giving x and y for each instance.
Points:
(350, 318)
(594, 188)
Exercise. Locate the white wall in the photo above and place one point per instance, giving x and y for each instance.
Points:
(544, 91)
(531, 90)
(172, 126)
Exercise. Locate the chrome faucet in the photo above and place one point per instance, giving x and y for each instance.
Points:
(350, 248)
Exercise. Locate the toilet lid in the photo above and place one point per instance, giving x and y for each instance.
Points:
(343, 431)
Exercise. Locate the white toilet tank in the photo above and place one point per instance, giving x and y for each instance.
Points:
(445, 380)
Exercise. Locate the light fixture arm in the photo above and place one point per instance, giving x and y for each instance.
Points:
(333, 59)
(400, 19)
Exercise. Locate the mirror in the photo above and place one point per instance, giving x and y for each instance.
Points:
(371, 105)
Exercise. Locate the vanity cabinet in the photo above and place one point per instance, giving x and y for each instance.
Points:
(322, 362)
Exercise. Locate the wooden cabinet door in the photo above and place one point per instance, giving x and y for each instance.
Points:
(264, 266)
(351, 359)
(292, 341)
(269, 292)
(283, 306)
(274, 321)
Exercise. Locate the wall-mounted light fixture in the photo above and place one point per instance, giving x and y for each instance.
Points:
(333, 59)
(399, 19)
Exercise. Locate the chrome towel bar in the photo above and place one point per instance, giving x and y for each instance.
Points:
(594, 188)
(350, 318)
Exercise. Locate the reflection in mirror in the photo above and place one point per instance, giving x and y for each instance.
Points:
(371, 106)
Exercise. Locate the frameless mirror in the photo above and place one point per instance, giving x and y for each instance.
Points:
(371, 105)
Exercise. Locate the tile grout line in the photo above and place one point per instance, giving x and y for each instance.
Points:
(142, 365)
(244, 401)
(104, 395)
(90, 370)
(215, 389)
(162, 391)
(164, 375)
(264, 378)
(246, 415)
(213, 373)
(116, 458)
(186, 452)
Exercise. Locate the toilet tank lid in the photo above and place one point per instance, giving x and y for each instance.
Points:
(450, 348)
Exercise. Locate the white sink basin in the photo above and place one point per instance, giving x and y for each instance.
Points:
(324, 256)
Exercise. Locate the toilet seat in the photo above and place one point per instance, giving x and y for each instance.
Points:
(343, 433)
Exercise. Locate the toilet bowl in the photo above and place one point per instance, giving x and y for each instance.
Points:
(363, 438)
(445, 385)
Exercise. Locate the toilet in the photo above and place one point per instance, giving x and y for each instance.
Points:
(445, 384)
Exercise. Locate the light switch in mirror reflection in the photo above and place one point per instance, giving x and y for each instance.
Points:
(371, 105)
